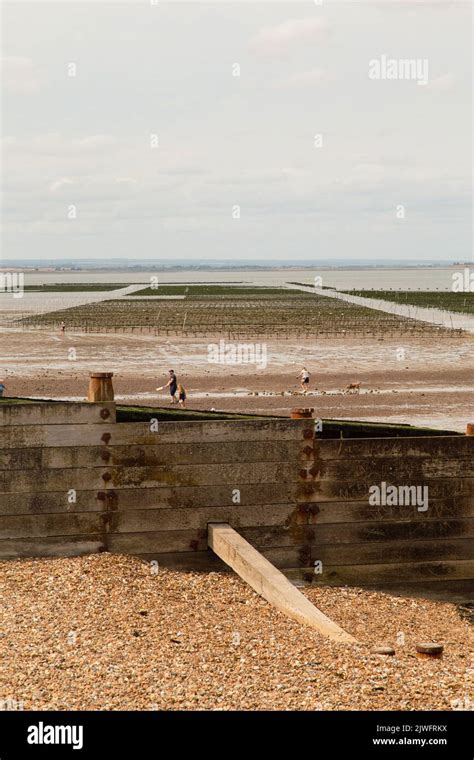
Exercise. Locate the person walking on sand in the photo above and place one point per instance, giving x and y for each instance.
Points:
(2, 388)
(181, 395)
(304, 379)
(172, 384)
(63, 327)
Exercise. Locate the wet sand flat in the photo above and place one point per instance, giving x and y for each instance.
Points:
(414, 380)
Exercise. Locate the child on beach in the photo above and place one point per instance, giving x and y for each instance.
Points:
(181, 395)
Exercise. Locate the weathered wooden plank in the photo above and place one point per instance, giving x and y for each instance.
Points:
(265, 527)
(406, 470)
(412, 471)
(461, 592)
(157, 541)
(286, 527)
(320, 513)
(57, 413)
(139, 433)
(433, 447)
(457, 575)
(35, 481)
(269, 583)
(31, 526)
(149, 455)
(353, 555)
(22, 459)
(454, 591)
(52, 546)
(361, 511)
(51, 502)
(290, 533)
(191, 497)
(39, 436)
(331, 489)
(18, 481)
(298, 555)
(397, 573)
(198, 517)
(449, 468)
(416, 528)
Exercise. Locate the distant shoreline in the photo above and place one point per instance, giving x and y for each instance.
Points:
(236, 268)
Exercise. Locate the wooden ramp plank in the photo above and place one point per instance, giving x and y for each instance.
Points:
(269, 583)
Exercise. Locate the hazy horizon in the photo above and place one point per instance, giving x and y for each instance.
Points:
(210, 264)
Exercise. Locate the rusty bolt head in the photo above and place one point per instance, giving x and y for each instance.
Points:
(105, 413)
(106, 438)
(106, 476)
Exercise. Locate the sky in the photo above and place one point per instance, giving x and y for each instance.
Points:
(239, 130)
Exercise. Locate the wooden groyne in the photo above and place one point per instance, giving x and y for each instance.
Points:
(74, 481)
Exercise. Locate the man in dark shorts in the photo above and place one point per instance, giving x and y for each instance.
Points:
(172, 384)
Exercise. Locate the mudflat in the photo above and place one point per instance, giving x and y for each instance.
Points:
(417, 380)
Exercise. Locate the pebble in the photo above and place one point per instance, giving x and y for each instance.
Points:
(186, 653)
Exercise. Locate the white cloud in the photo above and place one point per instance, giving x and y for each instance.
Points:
(280, 39)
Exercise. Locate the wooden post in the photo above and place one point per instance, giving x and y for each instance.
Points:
(100, 387)
(301, 414)
(470, 428)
